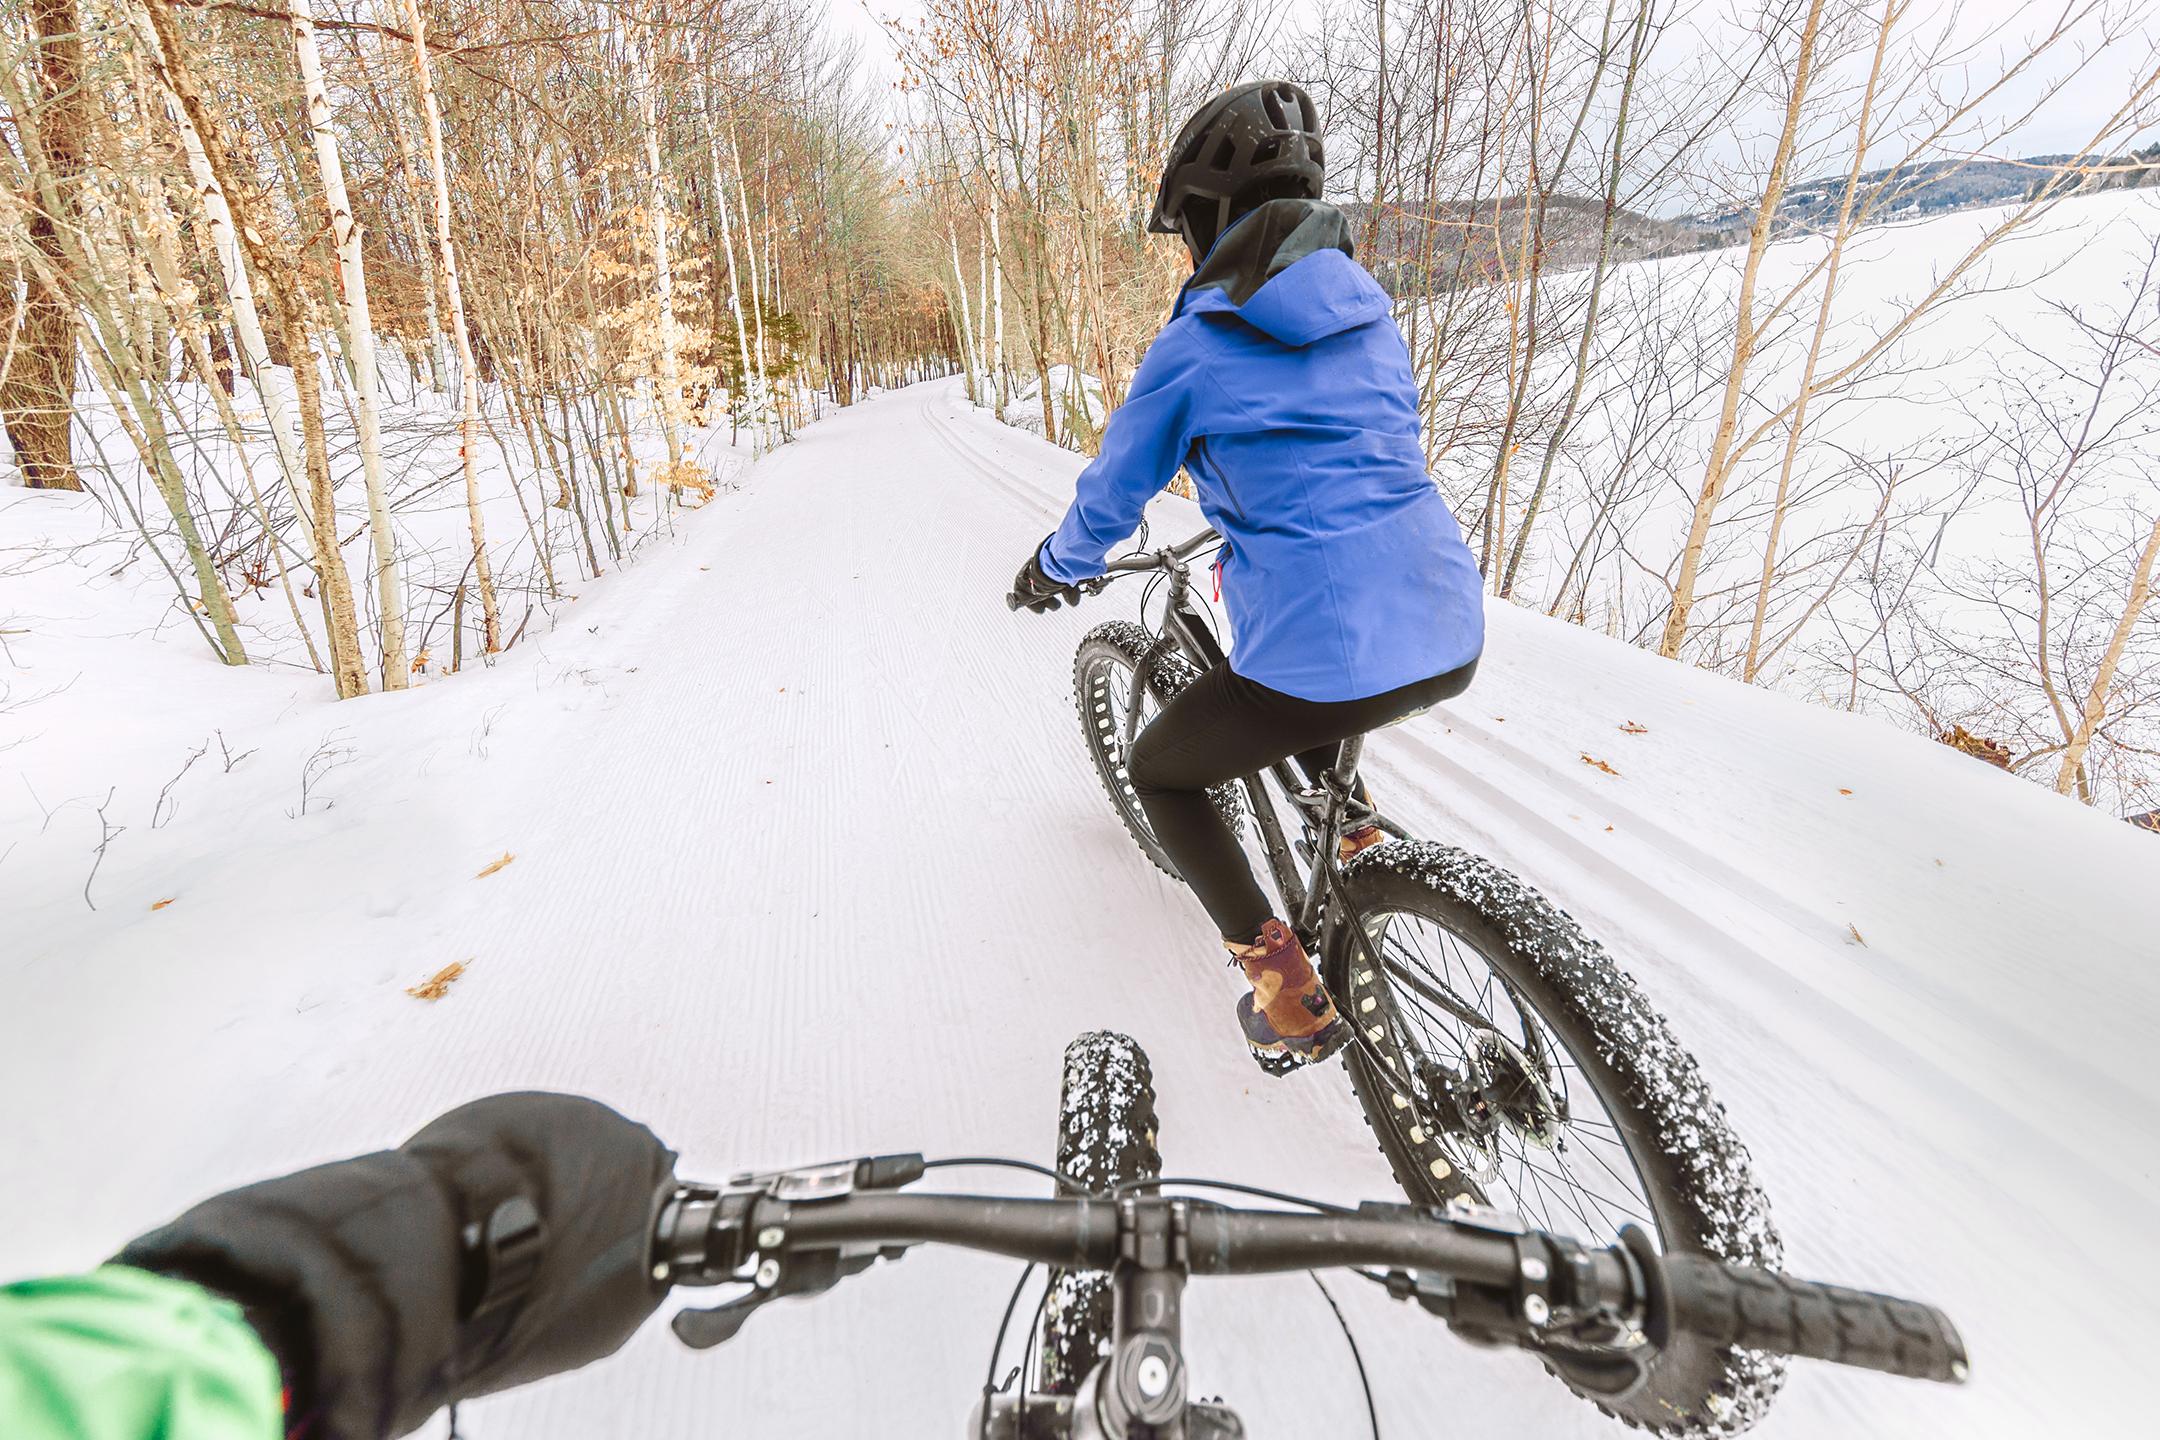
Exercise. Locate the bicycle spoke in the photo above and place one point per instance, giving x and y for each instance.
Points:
(1436, 995)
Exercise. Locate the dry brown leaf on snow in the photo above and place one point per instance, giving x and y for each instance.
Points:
(1843, 791)
(507, 857)
(437, 985)
(1631, 728)
(161, 904)
(1596, 764)
(1858, 938)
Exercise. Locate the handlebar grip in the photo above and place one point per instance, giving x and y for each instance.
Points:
(1763, 1310)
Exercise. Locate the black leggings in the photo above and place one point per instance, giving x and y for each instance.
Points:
(1226, 726)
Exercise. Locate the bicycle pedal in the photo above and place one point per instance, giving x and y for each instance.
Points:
(1277, 1063)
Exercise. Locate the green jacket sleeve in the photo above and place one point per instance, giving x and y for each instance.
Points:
(122, 1354)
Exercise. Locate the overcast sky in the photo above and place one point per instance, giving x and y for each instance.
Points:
(2065, 123)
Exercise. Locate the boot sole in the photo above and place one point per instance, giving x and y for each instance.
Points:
(1286, 1056)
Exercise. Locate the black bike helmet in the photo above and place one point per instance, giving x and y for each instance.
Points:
(1256, 142)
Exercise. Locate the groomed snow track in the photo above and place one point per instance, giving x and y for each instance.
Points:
(809, 862)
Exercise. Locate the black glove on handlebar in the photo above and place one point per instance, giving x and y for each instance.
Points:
(1037, 591)
(508, 1240)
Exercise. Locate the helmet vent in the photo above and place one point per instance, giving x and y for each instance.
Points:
(1225, 154)
(1266, 150)
(1271, 101)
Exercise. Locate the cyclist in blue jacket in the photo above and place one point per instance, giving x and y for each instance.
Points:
(1283, 387)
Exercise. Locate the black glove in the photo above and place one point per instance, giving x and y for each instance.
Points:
(1037, 591)
(508, 1240)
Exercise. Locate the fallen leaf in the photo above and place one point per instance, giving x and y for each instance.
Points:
(161, 904)
(437, 985)
(1631, 728)
(497, 865)
(1858, 938)
(1608, 829)
(1843, 791)
(1596, 764)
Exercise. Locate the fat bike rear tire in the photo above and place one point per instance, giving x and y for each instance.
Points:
(1583, 1028)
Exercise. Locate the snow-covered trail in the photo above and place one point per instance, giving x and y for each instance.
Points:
(809, 862)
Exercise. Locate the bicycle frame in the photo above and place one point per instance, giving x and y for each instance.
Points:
(1326, 809)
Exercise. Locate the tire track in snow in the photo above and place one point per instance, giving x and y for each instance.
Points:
(1030, 500)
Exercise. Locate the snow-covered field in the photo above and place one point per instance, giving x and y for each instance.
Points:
(808, 861)
(1907, 555)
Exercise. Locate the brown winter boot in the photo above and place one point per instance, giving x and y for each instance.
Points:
(1288, 1018)
(1356, 842)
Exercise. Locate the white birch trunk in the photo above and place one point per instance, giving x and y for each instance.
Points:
(727, 247)
(997, 300)
(345, 233)
(663, 276)
(468, 378)
(1745, 336)
(967, 324)
(411, 163)
(2070, 776)
(247, 319)
(763, 393)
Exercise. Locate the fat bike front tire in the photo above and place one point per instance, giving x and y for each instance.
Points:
(1582, 1038)
(1106, 1139)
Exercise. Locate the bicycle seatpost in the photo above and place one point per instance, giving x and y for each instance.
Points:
(1343, 779)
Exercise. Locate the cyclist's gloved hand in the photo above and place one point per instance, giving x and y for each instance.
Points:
(367, 1280)
(1036, 590)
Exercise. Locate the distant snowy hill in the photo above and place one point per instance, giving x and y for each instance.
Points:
(1911, 192)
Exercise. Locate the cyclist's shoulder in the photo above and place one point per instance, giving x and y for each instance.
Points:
(1206, 345)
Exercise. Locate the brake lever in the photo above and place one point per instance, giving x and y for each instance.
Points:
(807, 1273)
(705, 1235)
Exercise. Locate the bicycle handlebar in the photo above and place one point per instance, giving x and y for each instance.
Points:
(1487, 1274)
(1137, 563)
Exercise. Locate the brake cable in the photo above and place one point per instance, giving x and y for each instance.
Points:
(1372, 1413)
(990, 1381)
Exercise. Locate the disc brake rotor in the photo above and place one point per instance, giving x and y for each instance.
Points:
(1504, 1091)
(1518, 1091)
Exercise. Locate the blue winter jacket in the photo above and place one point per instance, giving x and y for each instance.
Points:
(1284, 388)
